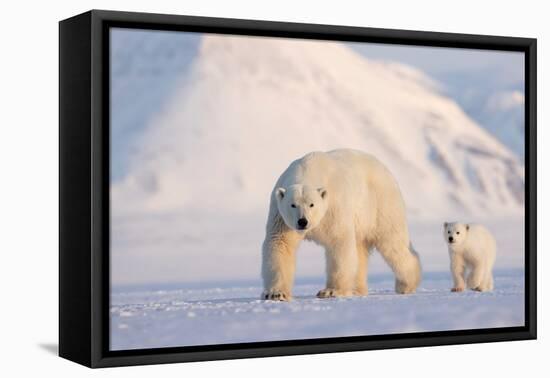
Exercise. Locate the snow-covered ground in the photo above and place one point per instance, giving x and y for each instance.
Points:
(231, 312)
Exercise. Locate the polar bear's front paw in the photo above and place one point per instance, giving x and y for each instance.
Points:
(457, 289)
(480, 288)
(275, 295)
(331, 293)
(326, 293)
(404, 288)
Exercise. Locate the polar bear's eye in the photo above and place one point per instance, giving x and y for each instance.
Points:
(311, 205)
(458, 232)
(293, 205)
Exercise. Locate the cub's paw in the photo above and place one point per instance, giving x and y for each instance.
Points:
(457, 289)
(275, 295)
(332, 293)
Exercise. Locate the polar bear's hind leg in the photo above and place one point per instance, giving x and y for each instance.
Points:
(487, 282)
(405, 264)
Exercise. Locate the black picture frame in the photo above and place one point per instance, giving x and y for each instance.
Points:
(84, 188)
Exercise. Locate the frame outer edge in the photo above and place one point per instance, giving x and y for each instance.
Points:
(75, 274)
(532, 143)
(99, 238)
(322, 31)
(98, 172)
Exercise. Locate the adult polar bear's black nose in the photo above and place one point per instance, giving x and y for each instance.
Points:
(451, 239)
(302, 223)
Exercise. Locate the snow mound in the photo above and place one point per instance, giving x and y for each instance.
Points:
(249, 106)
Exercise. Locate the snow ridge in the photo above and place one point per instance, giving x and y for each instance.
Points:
(251, 105)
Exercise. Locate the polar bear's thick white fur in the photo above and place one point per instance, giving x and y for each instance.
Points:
(472, 248)
(349, 203)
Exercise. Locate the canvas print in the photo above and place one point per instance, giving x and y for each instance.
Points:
(269, 189)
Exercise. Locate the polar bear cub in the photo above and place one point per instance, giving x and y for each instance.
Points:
(472, 250)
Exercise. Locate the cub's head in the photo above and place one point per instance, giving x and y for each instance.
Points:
(302, 207)
(455, 232)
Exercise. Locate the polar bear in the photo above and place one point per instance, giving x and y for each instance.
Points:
(472, 248)
(348, 202)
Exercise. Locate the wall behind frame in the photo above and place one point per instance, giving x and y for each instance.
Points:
(28, 196)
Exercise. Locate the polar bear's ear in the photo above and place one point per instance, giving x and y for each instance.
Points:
(322, 192)
(280, 193)
(445, 225)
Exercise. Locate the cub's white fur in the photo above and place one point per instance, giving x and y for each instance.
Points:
(472, 250)
(348, 202)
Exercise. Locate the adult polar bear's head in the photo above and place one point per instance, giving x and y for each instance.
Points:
(302, 207)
